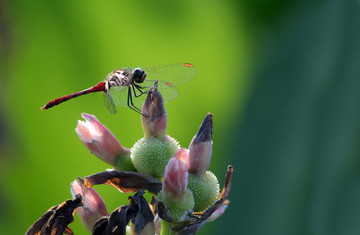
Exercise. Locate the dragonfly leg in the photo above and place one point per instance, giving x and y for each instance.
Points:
(141, 92)
(129, 101)
(139, 88)
(143, 87)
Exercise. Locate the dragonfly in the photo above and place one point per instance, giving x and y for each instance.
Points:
(127, 87)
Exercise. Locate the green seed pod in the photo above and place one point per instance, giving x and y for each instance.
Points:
(151, 155)
(124, 163)
(205, 190)
(177, 208)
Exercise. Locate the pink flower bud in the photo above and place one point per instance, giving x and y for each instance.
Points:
(201, 148)
(175, 178)
(99, 140)
(183, 155)
(93, 205)
(154, 117)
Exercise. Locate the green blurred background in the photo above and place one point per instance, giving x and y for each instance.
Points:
(281, 77)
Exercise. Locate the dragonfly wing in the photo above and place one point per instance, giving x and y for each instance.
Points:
(168, 92)
(109, 104)
(174, 74)
(169, 77)
(120, 95)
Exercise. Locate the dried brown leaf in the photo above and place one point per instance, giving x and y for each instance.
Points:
(124, 181)
(56, 219)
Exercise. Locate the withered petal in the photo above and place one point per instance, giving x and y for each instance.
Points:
(100, 226)
(119, 219)
(206, 129)
(163, 212)
(68, 231)
(41, 222)
(196, 221)
(125, 181)
(227, 187)
(138, 212)
(115, 223)
(152, 205)
(56, 219)
(144, 215)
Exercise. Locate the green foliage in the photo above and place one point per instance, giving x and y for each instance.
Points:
(297, 148)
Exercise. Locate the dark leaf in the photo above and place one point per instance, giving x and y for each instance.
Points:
(138, 212)
(124, 181)
(56, 219)
(68, 231)
(115, 223)
(197, 221)
(163, 212)
(100, 226)
(36, 227)
(152, 205)
(144, 217)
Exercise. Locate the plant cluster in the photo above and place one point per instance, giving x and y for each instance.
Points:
(185, 195)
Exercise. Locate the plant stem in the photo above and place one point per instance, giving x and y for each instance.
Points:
(166, 228)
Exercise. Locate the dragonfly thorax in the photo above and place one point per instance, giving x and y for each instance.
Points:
(119, 77)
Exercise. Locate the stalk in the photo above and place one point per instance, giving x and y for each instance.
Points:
(166, 228)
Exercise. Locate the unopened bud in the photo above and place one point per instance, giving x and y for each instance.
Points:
(93, 205)
(175, 178)
(101, 142)
(175, 193)
(154, 117)
(201, 148)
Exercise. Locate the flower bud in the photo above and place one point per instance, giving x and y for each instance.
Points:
(183, 155)
(175, 193)
(154, 117)
(93, 205)
(175, 178)
(201, 148)
(102, 143)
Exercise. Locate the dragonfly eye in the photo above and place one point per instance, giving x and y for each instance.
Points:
(139, 75)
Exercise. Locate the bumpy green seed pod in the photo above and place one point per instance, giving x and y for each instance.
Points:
(205, 190)
(151, 155)
(177, 208)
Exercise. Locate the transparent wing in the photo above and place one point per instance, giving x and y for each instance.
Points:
(120, 96)
(174, 74)
(109, 104)
(169, 77)
(167, 91)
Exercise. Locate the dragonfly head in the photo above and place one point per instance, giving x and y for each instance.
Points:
(139, 75)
